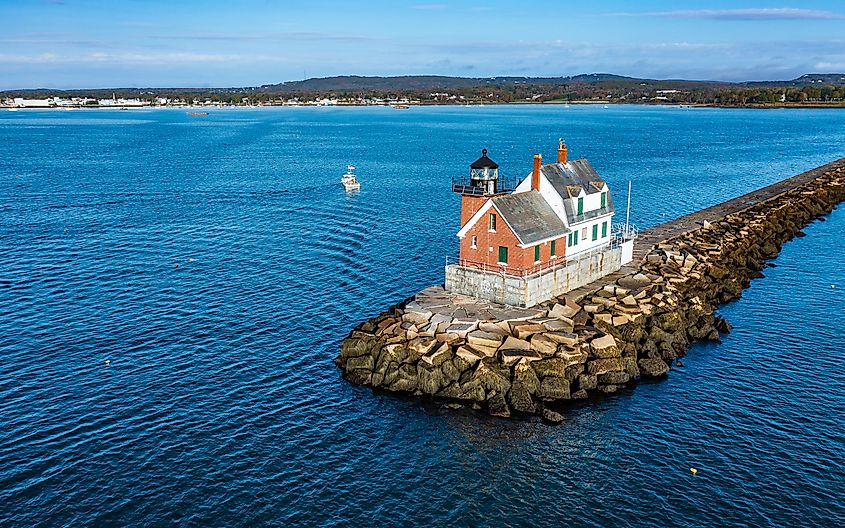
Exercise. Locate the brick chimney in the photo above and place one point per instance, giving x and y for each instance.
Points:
(561, 152)
(535, 175)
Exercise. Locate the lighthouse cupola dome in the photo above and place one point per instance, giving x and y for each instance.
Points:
(484, 173)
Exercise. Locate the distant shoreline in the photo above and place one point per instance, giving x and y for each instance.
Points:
(402, 106)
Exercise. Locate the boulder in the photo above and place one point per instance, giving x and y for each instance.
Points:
(604, 347)
(520, 399)
(460, 329)
(571, 356)
(481, 339)
(562, 338)
(524, 375)
(469, 354)
(542, 344)
(512, 343)
(497, 406)
(360, 362)
(551, 416)
(587, 381)
(419, 346)
(553, 388)
(614, 378)
(419, 319)
(490, 379)
(450, 338)
(629, 300)
(511, 357)
(429, 379)
(565, 308)
(722, 325)
(500, 327)
(559, 325)
(653, 368)
(602, 366)
(437, 356)
(526, 330)
(550, 367)
(359, 377)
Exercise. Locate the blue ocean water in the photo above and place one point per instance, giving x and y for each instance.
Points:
(215, 262)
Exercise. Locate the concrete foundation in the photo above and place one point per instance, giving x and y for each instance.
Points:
(533, 289)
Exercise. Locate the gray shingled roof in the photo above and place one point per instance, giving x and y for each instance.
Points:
(530, 216)
(569, 178)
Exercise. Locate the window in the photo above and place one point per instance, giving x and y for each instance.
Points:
(575, 239)
(536, 253)
(503, 255)
(569, 240)
(603, 229)
(603, 200)
(584, 233)
(553, 248)
(474, 242)
(595, 232)
(492, 222)
(581, 205)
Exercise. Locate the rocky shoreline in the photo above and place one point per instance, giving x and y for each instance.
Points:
(599, 339)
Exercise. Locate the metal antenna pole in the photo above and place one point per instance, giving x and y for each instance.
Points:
(628, 210)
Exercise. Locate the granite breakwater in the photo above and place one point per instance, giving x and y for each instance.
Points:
(630, 325)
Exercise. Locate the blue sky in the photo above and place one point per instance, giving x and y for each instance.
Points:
(87, 43)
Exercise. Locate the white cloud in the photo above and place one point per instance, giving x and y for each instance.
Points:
(765, 13)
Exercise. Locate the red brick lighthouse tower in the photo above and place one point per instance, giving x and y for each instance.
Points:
(483, 184)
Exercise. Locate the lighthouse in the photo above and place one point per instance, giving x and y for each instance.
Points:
(550, 234)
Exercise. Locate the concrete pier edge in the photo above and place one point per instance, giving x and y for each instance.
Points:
(628, 325)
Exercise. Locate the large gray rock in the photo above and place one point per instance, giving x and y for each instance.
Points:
(552, 388)
(512, 343)
(480, 339)
(604, 347)
(497, 406)
(512, 357)
(653, 368)
(542, 344)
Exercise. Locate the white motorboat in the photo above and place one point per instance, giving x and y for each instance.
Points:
(349, 181)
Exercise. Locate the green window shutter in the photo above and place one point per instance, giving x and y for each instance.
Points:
(595, 231)
(536, 253)
(553, 247)
(580, 206)
(603, 229)
(503, 255)
(569, 240)
(603, 200)
(575, 239)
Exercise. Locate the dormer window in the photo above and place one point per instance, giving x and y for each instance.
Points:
(492, 222)
(603, 200)
(580, 205)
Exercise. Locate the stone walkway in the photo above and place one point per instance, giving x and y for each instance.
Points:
(465, 308)
(436, 300)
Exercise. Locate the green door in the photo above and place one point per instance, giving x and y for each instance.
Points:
(503, 255)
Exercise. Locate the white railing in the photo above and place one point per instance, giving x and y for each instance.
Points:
(504, 269)
(624, 231)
